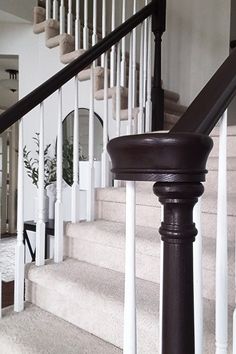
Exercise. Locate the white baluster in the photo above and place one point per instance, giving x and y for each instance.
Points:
(140, 114)
(130, 331)
(134, 97)
(113, 52)
(234, 333)
(145, 55)
(86, 29)
(58, 239)
(130, 89)
(20, 250)
(40, 225)
(197, 267)
(62, 17)
(105, 157)
(70, 18)
(91, 190)
(161, 285)
(148, 108)
(103, 27)
(222, 246)
(95, 36)
(55, 10)
(75, 193)
(118, 99)
(118, 92)
(77, 26)
(48, 9)
(123, 50)
(234, 316)
(0, 295)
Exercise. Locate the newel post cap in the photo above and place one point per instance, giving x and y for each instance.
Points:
(160, 157)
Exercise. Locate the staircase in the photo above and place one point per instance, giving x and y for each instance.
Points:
(77, 305)
(68, 53)
(86, 290)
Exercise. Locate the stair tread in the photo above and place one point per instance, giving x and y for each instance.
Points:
(76, 279)
(36, 331)
(69, 57)
(112, 234)
(56, 40)
(94, 286)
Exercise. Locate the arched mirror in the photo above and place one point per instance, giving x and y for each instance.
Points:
(68, 127)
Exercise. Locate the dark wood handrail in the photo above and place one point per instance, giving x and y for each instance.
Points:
(233, 44)
(27, 103)
(207, 108)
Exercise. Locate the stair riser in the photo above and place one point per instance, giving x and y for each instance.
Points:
(150, 216)
(231, 151)
(211, 184)
(147, 267)
(95, 315)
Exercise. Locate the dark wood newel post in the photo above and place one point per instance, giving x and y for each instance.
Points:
(158, 28)
(177, 165)
(178, 233)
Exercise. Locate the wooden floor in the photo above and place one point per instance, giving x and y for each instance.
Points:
(7, 293)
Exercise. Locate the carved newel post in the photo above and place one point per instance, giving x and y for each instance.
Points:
(177, 163)
(178, 233)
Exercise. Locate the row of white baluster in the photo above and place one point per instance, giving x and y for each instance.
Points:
(120, 64)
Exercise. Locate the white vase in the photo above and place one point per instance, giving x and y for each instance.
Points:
(45, 207)
(51, 192)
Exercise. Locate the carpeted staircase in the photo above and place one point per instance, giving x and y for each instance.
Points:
(66, 44)
(77, 306)
(87, 289)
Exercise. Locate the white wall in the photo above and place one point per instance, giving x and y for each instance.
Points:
(195, 44)
(36, 64)
(19, 8)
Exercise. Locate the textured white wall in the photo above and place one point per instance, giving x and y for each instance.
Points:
(195, 44)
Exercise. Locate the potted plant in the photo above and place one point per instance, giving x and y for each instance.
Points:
(32, 170)
(50, 161)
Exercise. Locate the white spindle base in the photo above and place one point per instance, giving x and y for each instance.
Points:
(197, 266)
(58, 248)
(75, 201)
(62, 19)
(85, 38)
(148, 115)
(0, 295)
(91, 195)
(130, 331)
(140, 121)
(55, 10)
(77, 34)
(234, 333)
(222, 246)
(161, 286)
(70, 23)
(19, 277)
(123, 73)
(40, 243)
(94, 39)
(105, 169)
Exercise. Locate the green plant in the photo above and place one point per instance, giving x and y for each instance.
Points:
(50, 162)
(68, 160)
(32, 164)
